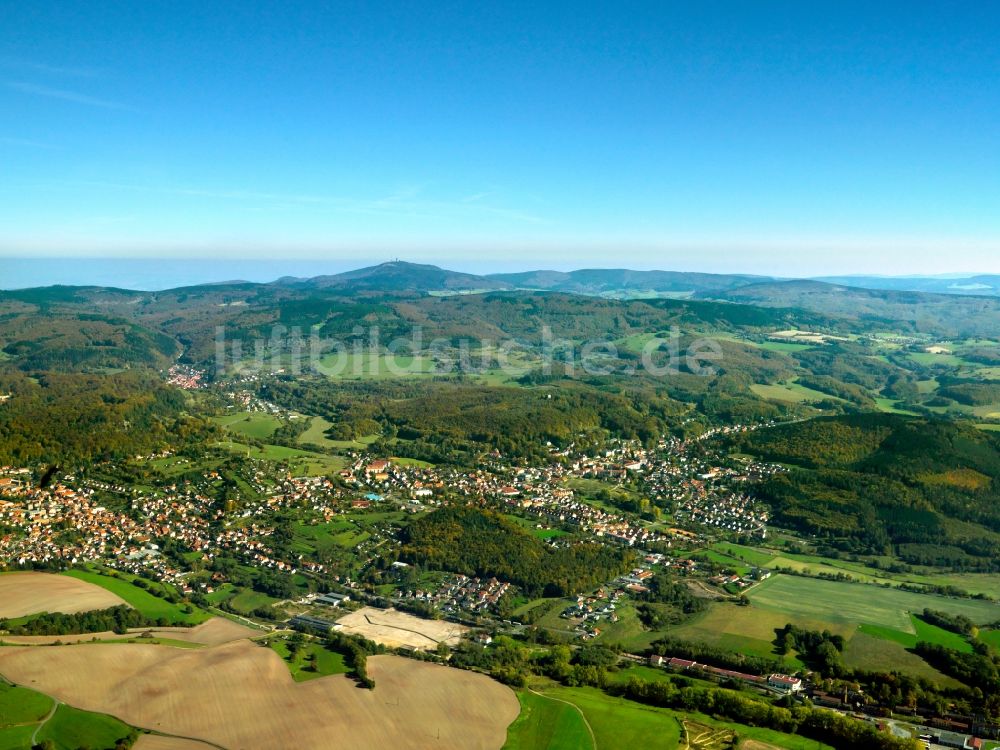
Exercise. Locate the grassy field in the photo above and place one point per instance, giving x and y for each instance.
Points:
(545, 724)
(300, 461)
(151, 606)
(19, 705)
(324, 537)
(927, 358)
(784, 346)
(311, 660)
(247, 600)
(837, 602)
(370, 365)
(415, 463)
(791, 392)
(749, 630)
(316, 435)
(891, 406)
(16, 738)
(923, 631)
(619, 723)
(70, 729)
(973, 583)
(750, 555)
(873, 653)
(628, 632)
(252, 424)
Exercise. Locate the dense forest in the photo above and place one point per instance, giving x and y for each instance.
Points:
(68, 418)
(482, 543)
(880, 483)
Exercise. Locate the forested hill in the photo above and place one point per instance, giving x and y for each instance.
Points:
(948, 315)
(482, 543)
(86, 327)
(926, 489)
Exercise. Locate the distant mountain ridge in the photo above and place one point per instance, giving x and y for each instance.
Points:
(623, 282)
(400, 276)
(609, 280)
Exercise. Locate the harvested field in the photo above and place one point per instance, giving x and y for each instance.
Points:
(212, 632)
(394, 629)
(159, 742)
(240, 696)
(30, 593)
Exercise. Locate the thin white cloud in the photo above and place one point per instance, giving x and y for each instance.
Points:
(64, 95)
(404, 202)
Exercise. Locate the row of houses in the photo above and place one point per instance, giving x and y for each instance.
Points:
(780, 682)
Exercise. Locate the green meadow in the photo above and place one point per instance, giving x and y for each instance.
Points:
(251, 424)
(839, 602)
(71, 729)
(151, 606)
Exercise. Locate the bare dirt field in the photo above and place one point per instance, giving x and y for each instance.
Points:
(29, 593)
(213, 632)
(241, 696)
(159, 742)
(393, 628)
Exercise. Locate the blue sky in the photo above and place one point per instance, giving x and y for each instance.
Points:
(786, 138)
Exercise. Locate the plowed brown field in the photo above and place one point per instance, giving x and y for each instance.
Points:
(241, 696)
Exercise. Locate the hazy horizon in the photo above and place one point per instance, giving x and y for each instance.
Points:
(154, 274)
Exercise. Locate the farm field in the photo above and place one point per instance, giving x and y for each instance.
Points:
(837, 602)
(212, 632)
(392, 628)
(159, 742)
(31, 593)
(140, 599)
(242, 695)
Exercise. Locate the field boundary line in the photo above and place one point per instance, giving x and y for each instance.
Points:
(593, 737)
